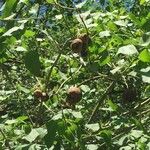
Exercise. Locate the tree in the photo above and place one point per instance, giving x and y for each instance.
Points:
(74, 75)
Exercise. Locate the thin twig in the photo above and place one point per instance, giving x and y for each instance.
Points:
(51, 69)
(64, 7)
(101, 101)
(94, 78)
(67, 80)
(138, 106)
(78, 11)
(55, 62)
(44, 104)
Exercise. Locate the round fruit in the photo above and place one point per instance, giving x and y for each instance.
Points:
(129, 95)
(37, 93)
(76, 45)
(44, 97)
(74, 95)
(85, 39)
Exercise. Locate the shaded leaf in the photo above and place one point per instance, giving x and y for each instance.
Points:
(50, 136)
(32, 62)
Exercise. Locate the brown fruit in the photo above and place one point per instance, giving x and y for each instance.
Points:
(76, 45)
(85, 39)
(37, 93)
(44, 97)
(129, 95)
(74, 95)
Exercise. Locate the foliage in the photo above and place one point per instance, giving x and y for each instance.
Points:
(114, 77)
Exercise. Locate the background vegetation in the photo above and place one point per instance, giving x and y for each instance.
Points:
(114, 76)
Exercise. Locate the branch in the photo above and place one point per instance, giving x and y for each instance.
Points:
(101, 101)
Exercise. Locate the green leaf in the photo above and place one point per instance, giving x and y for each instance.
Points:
(127, 50)
(145, 25)
(32, 63)
(31, 136)
(77, 114)
(80, 5)
(145, 72)
(135, 19)
(14, 121)
(51, 135)
(145, 55)
(107, 135)
(50, 1)
(145, 79)
(22, 118)
(3, 55)
(121, 23)
(12, 30)
(104, 33)
(20, 49)
(136, 133)
(142, 2)
(94, 127)
(10, 5)
(85, 88)
(23, 89)
(92, 146)
(145, 40)
(112, 105)
(34, 9)
(104, 59)
(29, 33)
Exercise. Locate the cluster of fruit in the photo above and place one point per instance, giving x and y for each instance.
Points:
(74, 94)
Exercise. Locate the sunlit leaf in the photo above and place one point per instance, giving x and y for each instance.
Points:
(112, 105)
(136, 133)
(85, 88)
(11, 121)
(94, 127)
(50, 1)
(12, 30)
(9, 7)
(104, 34)
(77, 114)
(31, 136)
(80, 5)
(121, 23)
(20, 49)
(145, 55)
(145, 40)
(23, 89)
(29, 33)
(127, 50)
(34, 9)
(92, 146)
